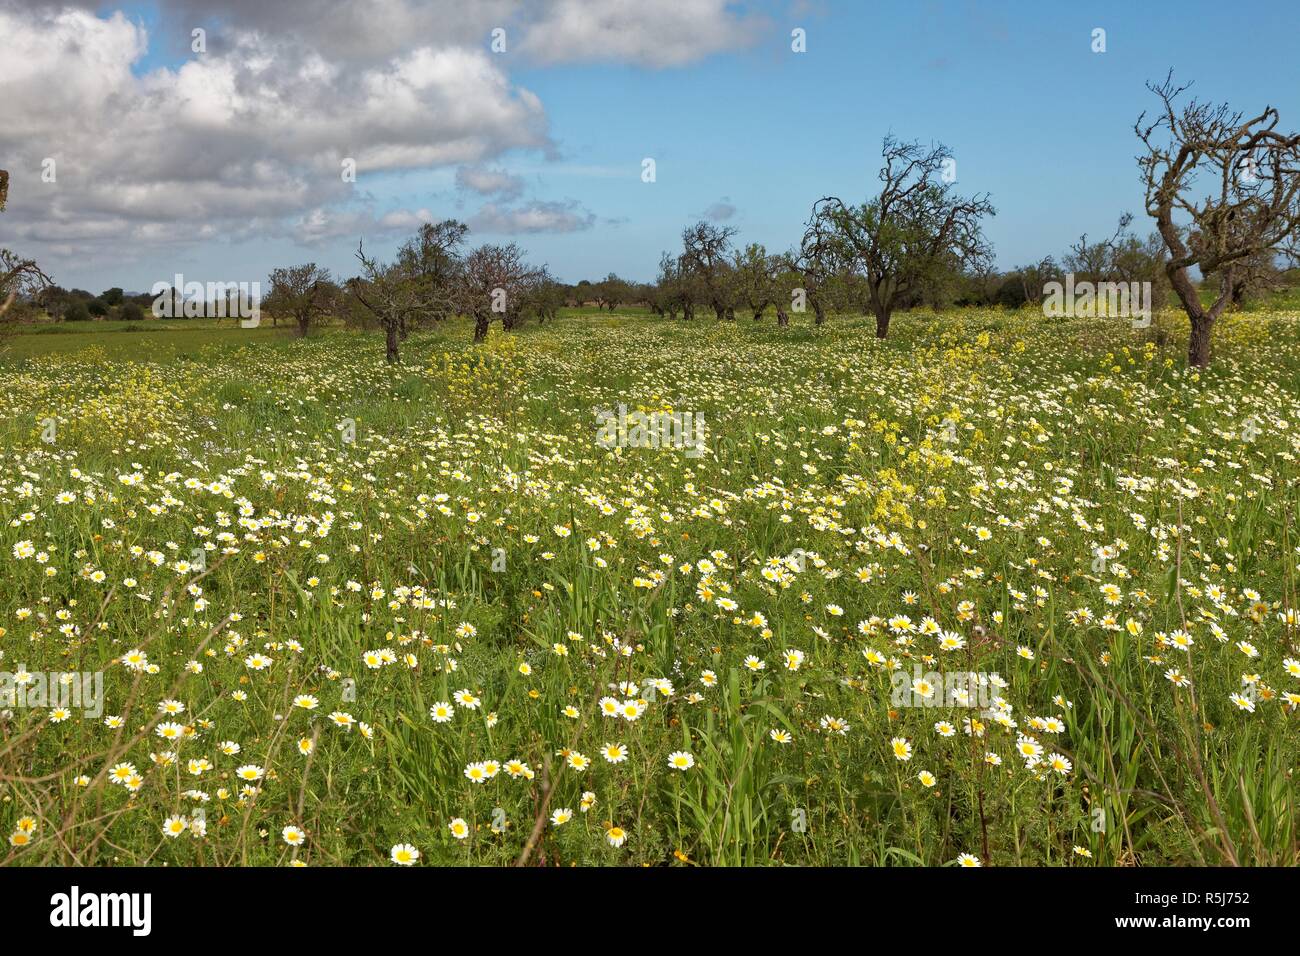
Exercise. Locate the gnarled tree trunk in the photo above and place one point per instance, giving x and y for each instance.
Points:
(392, 356)
(882, 321)
(481, 323)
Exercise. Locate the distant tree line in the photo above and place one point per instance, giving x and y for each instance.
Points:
(1222, 190)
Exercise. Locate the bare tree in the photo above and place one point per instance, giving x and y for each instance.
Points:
(494, 282)
(1248, 205)
(18, 276)
(817, 261)
(705, 249)
(423, 282)
(916, 227)
(388, 293)
(304, 292)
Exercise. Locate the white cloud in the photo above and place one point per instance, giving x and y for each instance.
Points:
(663, 34)
(248, 139)
(321, 224)
(249, 136)
(535, 216)
(489, 181)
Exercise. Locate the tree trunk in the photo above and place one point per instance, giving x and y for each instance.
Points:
(392, 355)
(1198, 343)
(782, 319)
(820, 310)
(303, 322)
(882, 322)
(758, 315)
(481, 323)
(1198, 348)
(1239, 290)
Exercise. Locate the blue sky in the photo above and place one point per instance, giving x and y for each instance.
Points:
(1032, 115)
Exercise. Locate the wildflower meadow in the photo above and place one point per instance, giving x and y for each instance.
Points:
(997, 590)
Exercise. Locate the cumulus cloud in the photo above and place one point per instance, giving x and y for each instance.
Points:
(654, 33)
(635, 31)
(535, 216)
(250, 138)
(229, 139)
(321, 225)
(487, 182)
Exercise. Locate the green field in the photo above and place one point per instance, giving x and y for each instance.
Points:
(285, 557)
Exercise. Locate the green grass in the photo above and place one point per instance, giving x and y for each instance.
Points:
(967, 470)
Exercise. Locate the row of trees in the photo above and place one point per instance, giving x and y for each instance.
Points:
(1223, 191)
(431, 279)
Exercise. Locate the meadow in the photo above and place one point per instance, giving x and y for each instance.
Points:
(998, 590)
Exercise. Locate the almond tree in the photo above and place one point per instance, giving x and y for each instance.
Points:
(705, 249)
(18, 276)
(670, 293)
(915, 228)
(1222, 189)
(755, 276)
(785, 279)
(816, 261)
(423, 282)
(304, 292)
(495, 281)
(432, 259)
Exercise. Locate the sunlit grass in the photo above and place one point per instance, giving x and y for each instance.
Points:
(1062, 504)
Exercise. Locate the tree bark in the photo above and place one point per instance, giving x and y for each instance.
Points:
(481, 323)
(1198, 347)
(782, 319)
(882, 322)
(392, 356)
